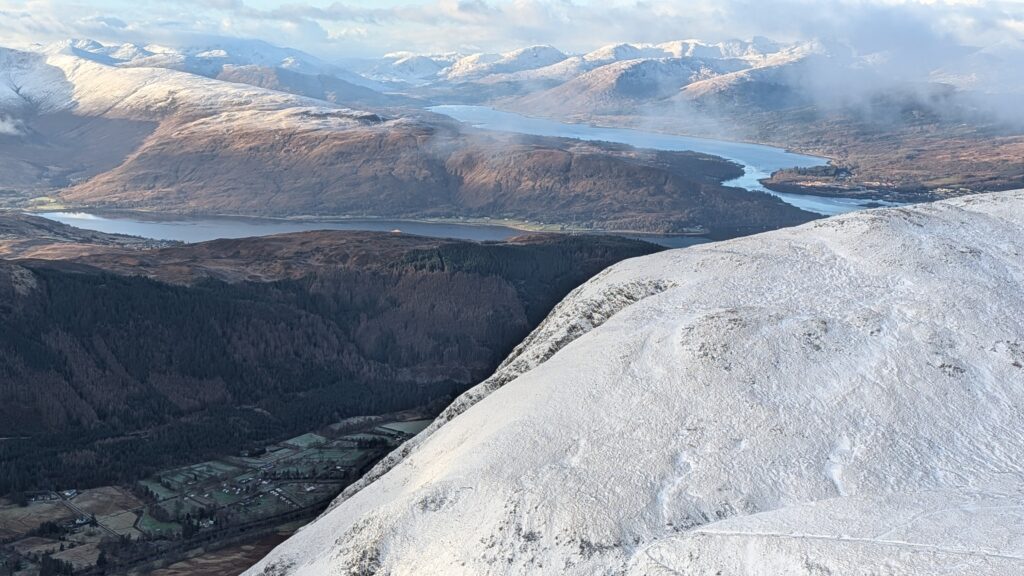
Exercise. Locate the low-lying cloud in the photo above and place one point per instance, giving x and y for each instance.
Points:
(10, 126)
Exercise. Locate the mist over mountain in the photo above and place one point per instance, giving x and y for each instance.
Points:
(274, 142)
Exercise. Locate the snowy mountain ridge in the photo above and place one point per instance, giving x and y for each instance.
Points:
(206, 58)
(546, 62)
(810, 401)
(62, 80)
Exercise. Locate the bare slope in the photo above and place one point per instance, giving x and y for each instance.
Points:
(302, 162)
(26, 236)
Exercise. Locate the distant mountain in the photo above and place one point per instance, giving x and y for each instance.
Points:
(617, 79)
(478, 65)
(538, 63)
(622, 85)
(808, 401)
(207, 59)
(198, 144)
(408, 67)
(753, 51)
(324, 87)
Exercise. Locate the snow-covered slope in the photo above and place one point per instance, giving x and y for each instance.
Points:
(208, 58)
(479, 65)
(414, 68)
(28, 83)
(63, 80)
(625, 84)
(840, 398)
(755, 50)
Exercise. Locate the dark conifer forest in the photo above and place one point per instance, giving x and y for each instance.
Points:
(106, 376)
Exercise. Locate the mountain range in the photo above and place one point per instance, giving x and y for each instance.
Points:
(94, 131)
(954, 132)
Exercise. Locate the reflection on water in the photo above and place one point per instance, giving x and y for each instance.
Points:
(201, 229)
(758, 161)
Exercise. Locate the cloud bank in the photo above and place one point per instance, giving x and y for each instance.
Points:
(359, 29)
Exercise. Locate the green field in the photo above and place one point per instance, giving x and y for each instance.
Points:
(154, 527)
(225, 499)
(185, 478)
(181, 506)
(301, 468)
(155, 487)
(260, 507)
(412, 427)
(365, 437)
(342, 456)
(307, 440)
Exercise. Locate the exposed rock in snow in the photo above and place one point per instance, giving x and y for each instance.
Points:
(844, 397)
(27, 83)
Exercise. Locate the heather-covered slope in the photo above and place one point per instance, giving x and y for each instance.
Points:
(286, 165)
(839, 398)
(27, 236)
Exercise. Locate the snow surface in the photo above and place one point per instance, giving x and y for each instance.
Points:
(208, 58)
(754, 50)
(841, 398)
(61, 79)
(477, 65)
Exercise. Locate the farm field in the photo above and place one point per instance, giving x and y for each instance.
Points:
(230, 560)
(17, 521)
(105, 500)
(185, 511)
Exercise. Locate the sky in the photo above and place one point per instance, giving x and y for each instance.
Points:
(337, 30)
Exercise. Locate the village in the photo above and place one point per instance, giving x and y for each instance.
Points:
(181, 512)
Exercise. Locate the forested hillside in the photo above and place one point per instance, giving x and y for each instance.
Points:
(224, 345)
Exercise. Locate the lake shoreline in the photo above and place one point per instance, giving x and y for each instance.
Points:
(115, 221)
(759, 161)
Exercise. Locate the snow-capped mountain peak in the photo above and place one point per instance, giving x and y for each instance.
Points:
(529, 58)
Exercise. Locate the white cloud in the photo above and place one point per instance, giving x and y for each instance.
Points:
(10, 126)
(341, 29)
